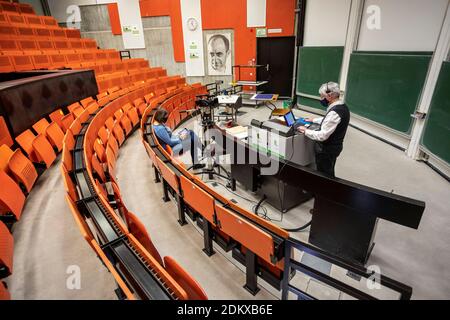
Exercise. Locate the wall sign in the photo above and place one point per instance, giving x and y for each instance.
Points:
(261, 32)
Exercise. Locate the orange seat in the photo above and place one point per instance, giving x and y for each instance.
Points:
(103, 135)
(118, 133)
(5, 137)
(41, 61)
(168, 175)
(89, 43)
(75, 127)
(4, 294)
(67, 121)
(42, 33)
(76, 109)
(100, 150)
(140, 233)
(69, 144)
(93, 107)
(84, 116)
(25, 141)
(73, 106)
(29, 45)
(16, 19)
(41, 126)
(57, 60)
(6, 252)
(44, 150)
(22, 169)
(45, 45)
(111, 162)
(26, 8)
(250, 236)
(198, 199)
(22, 62)
(109, 124)
(33, 20)
(112, 143)
(9, 7)
(140, 105)
(97, 168)
(55, 135)
(70, 187)
(73, 33)
(5, 154)
(184, 279)
(58, 33)
(49, 21)
(75, 44)
(133, 115)
(126, 124)
(82, 225)
(6, 64)
(86, 102)
(169, 150)
(12, 199)
(56, 116)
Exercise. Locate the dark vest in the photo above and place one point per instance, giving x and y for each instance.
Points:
(334, 143)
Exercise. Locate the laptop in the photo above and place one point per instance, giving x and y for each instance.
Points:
(294, 123)
(290, 120)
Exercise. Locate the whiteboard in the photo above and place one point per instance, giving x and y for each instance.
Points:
(326, 23)
(406, 25)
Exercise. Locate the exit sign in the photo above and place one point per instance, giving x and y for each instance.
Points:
(261, 32)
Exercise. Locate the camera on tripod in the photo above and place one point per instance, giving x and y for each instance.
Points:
(207, 103)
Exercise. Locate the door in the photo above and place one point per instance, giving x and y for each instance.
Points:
(276, 55)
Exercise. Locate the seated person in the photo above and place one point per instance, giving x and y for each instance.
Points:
(179, 144)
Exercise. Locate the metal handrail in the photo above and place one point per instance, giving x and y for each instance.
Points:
(291, 264)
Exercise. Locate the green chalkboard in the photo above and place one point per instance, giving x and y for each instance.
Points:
(316, 66)
(436, 137)
(386, 87)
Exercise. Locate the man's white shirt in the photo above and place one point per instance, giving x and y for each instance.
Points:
(329, 124)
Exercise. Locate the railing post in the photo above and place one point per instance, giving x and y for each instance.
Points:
(287, 269)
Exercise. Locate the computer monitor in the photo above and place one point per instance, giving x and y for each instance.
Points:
(289, 118)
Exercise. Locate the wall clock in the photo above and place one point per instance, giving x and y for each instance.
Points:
(192, 24)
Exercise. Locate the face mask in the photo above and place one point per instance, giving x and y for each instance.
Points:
(324, 102)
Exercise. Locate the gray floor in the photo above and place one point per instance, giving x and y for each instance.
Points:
(47, 240)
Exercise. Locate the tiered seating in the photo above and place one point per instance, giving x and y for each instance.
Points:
(101, 140)
(256, 240)
(29, 42)
(32, 42)
(39, 145)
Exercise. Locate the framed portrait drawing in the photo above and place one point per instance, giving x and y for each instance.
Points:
(219, 54)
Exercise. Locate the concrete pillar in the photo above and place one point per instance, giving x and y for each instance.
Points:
(351, 42)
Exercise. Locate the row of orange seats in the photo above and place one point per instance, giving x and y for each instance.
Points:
(52, 61)
(45, 33)
(18, 20)
(24, 8)
(121, 78)
(105, 135)
(20, 46)
(39, 147)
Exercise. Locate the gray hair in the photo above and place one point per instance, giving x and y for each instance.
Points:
(330, 88)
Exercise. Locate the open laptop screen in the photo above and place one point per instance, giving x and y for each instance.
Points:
(290, 119)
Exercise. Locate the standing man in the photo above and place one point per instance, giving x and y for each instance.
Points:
(333, 127)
